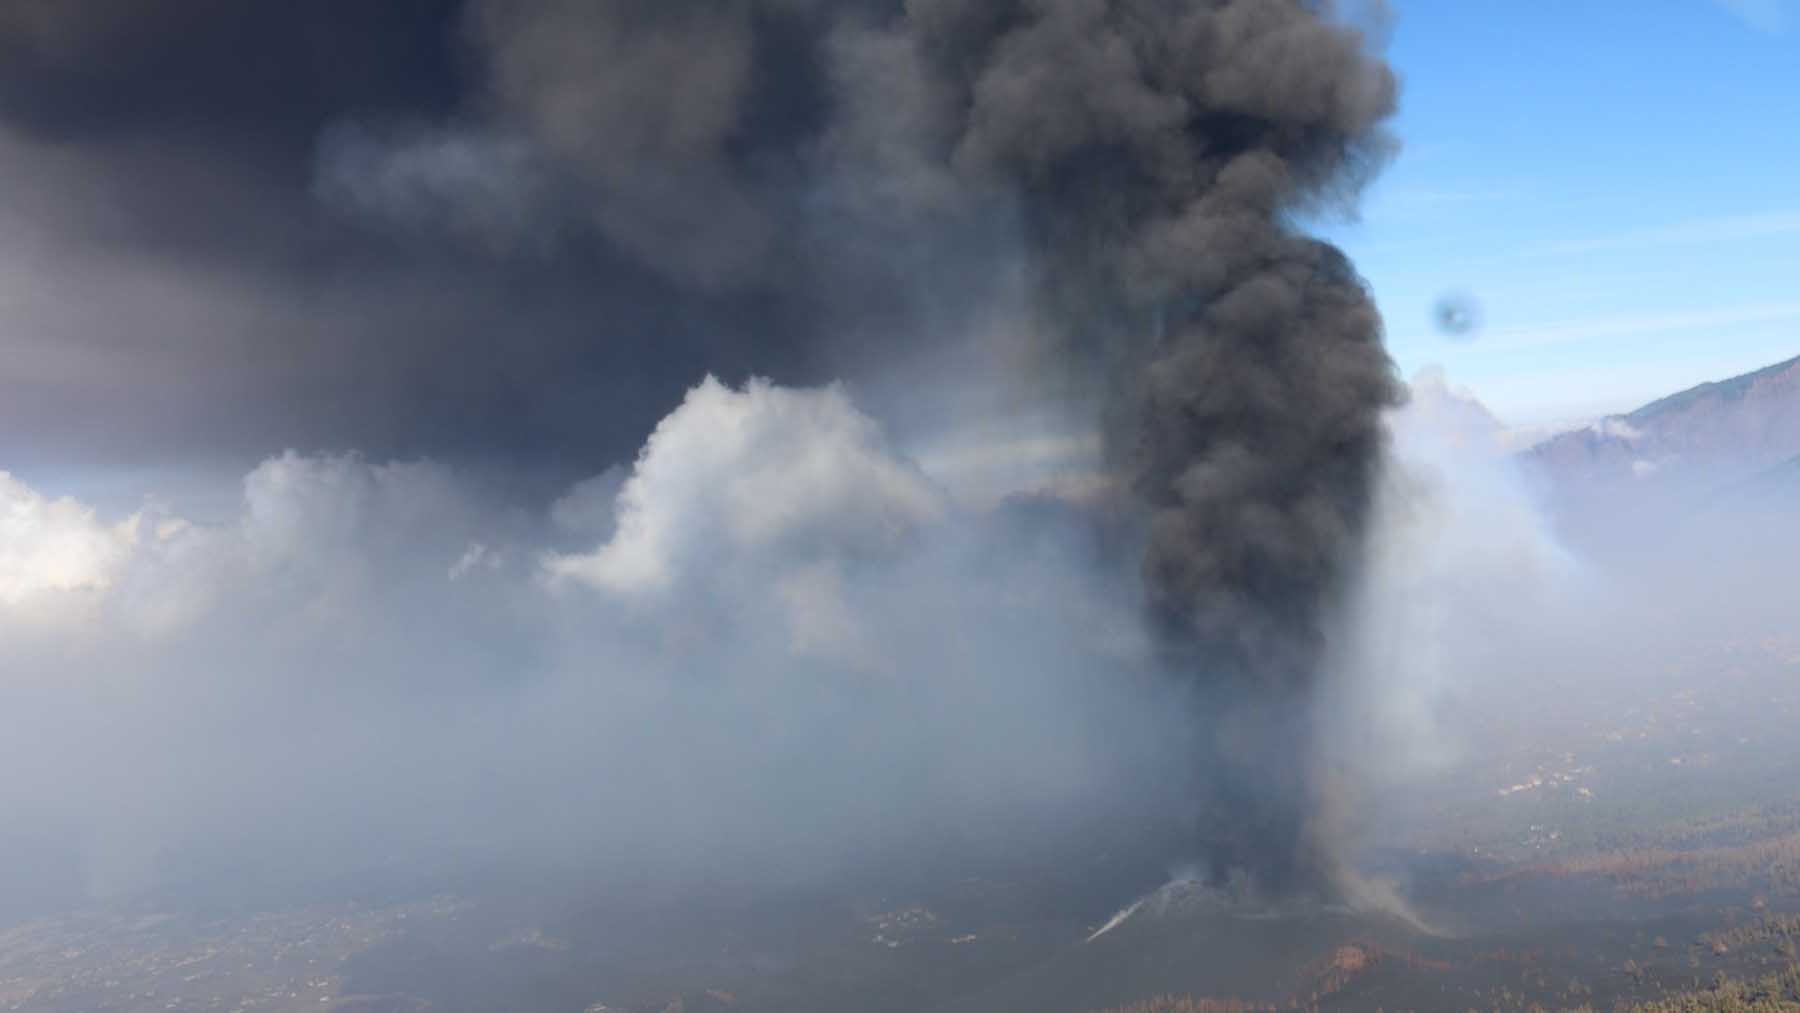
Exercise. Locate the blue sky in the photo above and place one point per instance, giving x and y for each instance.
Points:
(1616, 184)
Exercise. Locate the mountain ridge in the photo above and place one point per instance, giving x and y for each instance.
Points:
(1710, 435)
(1725, 448)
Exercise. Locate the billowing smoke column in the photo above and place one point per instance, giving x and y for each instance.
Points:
(1159, 147)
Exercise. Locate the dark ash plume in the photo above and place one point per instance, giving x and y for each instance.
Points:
(1159, 148)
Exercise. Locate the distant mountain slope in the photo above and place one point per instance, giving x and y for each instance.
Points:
(1699, 440)
(1718, 391)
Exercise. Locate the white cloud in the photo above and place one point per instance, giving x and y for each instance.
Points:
(1616, 428)
(52, 547)
(740, 472)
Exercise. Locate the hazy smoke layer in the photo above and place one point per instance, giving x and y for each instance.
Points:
(506, 235)
(758, 658)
